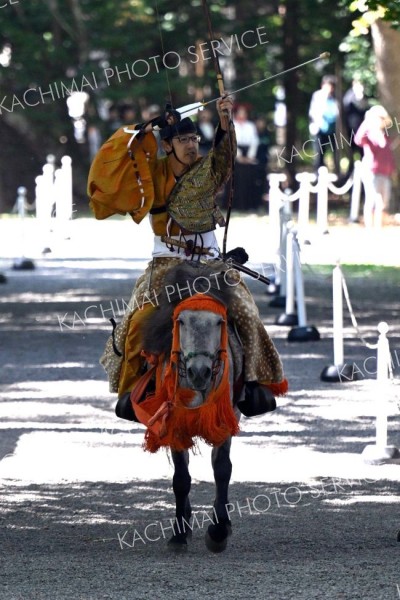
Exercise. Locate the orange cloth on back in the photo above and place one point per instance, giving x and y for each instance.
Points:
(131, 180)
(121, 176)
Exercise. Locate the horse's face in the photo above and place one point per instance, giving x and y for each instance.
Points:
(200, 340)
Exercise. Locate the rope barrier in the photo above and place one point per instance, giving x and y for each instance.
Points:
(352, 315)
(323, 185)
(339, 191)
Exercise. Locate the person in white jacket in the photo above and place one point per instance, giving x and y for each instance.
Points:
(323, 114)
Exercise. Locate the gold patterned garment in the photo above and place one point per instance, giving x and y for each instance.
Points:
(191, 203)
(262, 362)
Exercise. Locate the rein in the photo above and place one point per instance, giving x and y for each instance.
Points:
(199, 302)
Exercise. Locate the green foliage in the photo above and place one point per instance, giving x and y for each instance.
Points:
(54, 41)
(392, 10)
(359, 62)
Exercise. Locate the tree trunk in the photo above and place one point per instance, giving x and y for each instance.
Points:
(386, 46)
(291, 59)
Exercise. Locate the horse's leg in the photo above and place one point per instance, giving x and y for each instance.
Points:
(217, 533)
(181, 486)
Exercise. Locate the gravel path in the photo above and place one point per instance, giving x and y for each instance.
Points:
(311, 520)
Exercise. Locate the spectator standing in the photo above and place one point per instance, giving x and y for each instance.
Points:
(246, 135)
(355, 105)
(323, 114)
(378, 164)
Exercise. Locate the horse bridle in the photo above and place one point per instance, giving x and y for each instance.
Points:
(216, 362)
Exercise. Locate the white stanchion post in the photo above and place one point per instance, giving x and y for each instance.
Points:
(23, 263)
(43, 205)
(48, 184)
(275, 203)
(380, 452)
(356, 193)
(324, 178)
(59, 197)
(63, 196)
(303, 221)
(303, 332)
(337, 296)
(340, 371)
(66, 167)
(289, 317)
(286, 218)
(298, 277)
(290, 307)
(382, 376)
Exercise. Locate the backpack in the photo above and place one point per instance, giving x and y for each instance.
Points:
(120, 177)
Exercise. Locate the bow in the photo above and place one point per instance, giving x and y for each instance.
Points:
(222, 92)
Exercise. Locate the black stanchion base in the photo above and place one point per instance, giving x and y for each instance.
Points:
(307, 333)
(278, 302)
(380, 455)
(341, 373)
(285, 319)
(24, 264)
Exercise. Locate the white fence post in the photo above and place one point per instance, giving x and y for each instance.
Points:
(275, 203)
(289, 317)
(305, 179)
(23, 263)
(324, 179)
(340, 371)
(303, 332)
(66, 168)
(63, 196)
(356, 193)
(380, 452)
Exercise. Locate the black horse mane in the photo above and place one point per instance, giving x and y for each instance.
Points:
(181, 282)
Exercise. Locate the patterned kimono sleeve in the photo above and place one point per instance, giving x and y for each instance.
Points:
(223, 153)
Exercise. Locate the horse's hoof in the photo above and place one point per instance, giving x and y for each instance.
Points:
(217, 536)
(177, 543)
(213, 546)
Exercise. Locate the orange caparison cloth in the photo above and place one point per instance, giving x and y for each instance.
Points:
(170, 422)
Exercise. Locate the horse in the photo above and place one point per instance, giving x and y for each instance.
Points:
(199, 382)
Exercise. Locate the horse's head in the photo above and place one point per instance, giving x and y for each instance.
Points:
(200, 346)
(196, 299)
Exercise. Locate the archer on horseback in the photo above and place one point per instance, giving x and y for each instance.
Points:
(179, 192)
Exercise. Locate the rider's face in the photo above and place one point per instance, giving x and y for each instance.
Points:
(186, 148)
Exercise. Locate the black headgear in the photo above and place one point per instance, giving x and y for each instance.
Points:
(182, 128)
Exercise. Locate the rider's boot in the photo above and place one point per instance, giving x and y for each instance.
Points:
(124, 409)
(258, 400)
